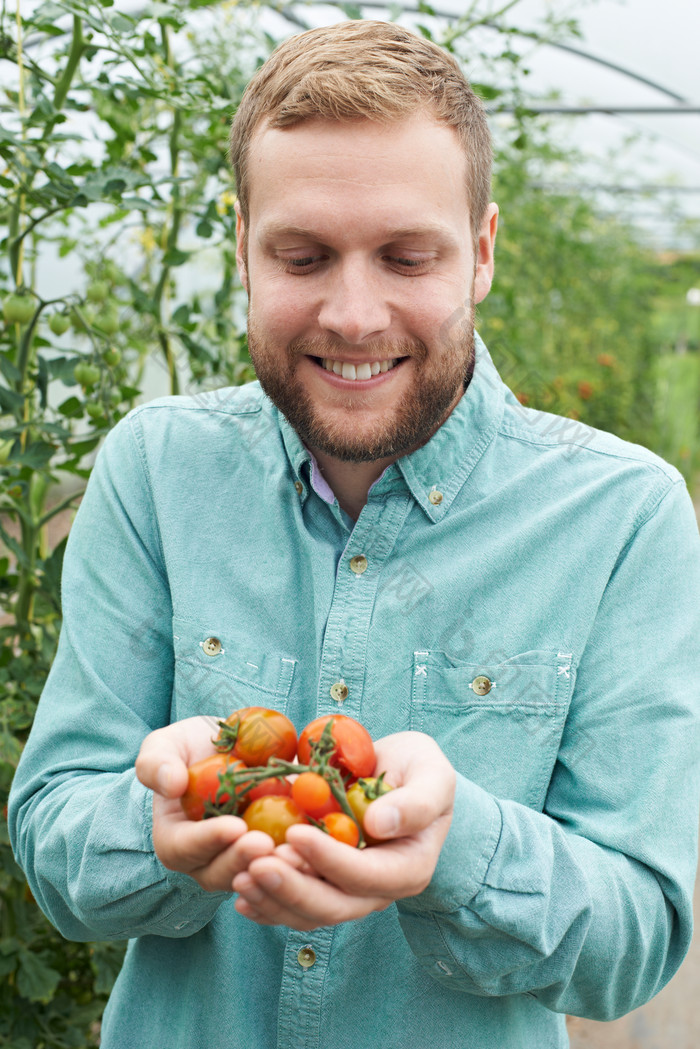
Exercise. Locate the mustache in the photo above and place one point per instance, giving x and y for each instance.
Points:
(374, 350)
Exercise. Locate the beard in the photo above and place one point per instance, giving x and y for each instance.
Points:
(441, 376)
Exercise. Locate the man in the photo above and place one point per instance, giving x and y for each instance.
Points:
(387, 533)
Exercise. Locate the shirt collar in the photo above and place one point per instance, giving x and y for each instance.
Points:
(436, 472)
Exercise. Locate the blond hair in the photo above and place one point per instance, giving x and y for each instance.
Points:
(364, 70)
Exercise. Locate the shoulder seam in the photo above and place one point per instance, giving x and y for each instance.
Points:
(666, 469)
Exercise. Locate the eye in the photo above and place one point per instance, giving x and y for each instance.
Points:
(413, 266)
(302, 265)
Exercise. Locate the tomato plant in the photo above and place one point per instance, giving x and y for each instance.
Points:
(203, 784)
(257, 734)
(353, 747)
(273, 815)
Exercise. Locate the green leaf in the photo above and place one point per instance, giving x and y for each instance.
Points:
(81, 448)
(72, 408)
(175, 257)
(62, 368)
(37, 456)
(36, 980)
(11, 402)
(8, 369)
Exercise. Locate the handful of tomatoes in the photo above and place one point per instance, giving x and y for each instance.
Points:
(262, 772)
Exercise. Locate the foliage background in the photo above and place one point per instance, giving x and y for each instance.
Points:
(118, 279)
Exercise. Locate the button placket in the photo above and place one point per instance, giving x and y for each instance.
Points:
(354, 594)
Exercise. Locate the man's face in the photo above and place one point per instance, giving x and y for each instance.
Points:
(362, 277)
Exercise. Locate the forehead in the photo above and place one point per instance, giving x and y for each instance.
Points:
(403, 174)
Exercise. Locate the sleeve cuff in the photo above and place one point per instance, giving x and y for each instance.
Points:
(467, 851)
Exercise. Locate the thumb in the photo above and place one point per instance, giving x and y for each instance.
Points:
(408, 810)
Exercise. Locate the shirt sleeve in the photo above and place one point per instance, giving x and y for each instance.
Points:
(80, 821)
(587, 906)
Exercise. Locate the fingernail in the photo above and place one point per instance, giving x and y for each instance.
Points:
(163, 780)
(386, 820)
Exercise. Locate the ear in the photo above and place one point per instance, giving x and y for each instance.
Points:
(241, 253)
(484, 254)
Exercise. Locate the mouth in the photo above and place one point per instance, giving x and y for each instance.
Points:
(357, 372)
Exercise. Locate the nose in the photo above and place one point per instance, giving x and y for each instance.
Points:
(354, 308)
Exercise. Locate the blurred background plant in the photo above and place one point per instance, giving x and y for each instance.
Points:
(118, 283)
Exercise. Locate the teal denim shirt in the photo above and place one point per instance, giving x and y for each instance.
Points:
(559, 563)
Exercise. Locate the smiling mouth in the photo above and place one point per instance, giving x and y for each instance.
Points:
(354, 372)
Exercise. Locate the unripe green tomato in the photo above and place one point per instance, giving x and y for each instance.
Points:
(112, 356)
(95, 409)
(97, 291)
(115, 397)
(59, 323)
(18, 309)
(86, 374)
(107, 321)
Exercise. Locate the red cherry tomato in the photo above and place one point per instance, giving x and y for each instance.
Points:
(354, 751)
(273, 814)
(203, 783)
(342, 827)
(312, 793)
(258, 734)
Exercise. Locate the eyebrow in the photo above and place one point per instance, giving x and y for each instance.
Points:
(274, 229)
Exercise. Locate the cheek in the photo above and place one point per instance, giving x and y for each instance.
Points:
(280, 311)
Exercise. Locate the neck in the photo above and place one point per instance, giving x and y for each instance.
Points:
(350, 482)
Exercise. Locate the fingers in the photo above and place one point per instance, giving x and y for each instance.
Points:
(211, 851)
(166, 753)
(272, 892)
(392, 870)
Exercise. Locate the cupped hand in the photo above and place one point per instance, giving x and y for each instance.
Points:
(313, 880)
(211, 851)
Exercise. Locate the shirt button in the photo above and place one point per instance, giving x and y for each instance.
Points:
(358, 564)
(339, 691)
(435, 497)
(212, 646)
(299, 487)
(482, 685)
(306, 957)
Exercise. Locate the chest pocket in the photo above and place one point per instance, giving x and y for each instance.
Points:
(499, 724)
(216, 673)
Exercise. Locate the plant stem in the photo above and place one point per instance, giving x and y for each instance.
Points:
(74, 55)
(172, 234)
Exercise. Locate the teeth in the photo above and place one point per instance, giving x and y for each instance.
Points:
(360, 371)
